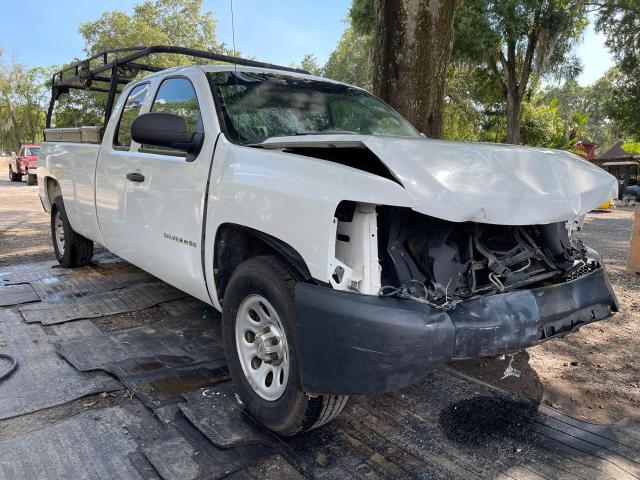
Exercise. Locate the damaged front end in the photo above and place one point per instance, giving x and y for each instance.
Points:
(409, 291)
(444, 263)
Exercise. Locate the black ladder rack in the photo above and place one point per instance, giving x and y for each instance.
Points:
(110, 72)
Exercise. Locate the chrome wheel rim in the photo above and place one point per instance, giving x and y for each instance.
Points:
(262, 347)
(58, 232)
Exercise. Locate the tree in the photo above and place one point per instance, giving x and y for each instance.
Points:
(598, 103)
(632, 148)
(411, 45)
(623, 106)
(620, 20)
(543, 126)
(23, 97)
(518, 42)
(349, 62)
(159, 22)
(462, 117)
(310, 64)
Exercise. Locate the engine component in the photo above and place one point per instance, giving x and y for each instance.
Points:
(441, 261)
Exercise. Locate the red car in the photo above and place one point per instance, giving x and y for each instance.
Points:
(25, 164)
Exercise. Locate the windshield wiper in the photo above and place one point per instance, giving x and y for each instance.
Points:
(302, 133)
(325, 132)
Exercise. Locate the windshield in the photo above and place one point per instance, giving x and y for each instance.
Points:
(32, 151)
(256, 106)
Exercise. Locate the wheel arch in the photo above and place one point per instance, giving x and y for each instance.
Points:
(52, 190)
(236, 243)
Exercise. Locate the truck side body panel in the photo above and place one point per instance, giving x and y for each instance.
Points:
(72, 166)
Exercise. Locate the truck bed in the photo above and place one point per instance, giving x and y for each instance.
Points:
(73, 165)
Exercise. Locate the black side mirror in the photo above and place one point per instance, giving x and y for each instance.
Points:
(166, 130)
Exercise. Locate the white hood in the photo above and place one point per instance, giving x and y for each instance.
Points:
(483, 182)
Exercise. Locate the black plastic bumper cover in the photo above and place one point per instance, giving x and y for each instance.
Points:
(351, 343)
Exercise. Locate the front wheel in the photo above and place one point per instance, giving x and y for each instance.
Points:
(71, 249)
(32, 179)
(258, 325)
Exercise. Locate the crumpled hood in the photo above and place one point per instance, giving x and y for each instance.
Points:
(483, 182)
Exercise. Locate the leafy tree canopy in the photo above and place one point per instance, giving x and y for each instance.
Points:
(518, 42)
(631, 148)
(153, 22)
(620, 21)
(159, 22)
(349, 62)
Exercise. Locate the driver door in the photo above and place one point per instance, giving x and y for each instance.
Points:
(164, 191)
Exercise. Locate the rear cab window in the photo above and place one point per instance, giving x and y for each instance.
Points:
(176, 95)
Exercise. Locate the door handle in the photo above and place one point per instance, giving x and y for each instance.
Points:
(135, 177)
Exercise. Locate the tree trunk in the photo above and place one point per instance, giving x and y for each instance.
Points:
(514, 105)
(512, 91)
(411, 48)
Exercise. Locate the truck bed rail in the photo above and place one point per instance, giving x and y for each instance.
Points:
(85, 134)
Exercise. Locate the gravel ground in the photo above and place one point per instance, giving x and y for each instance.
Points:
(593, 374)
(24, 226)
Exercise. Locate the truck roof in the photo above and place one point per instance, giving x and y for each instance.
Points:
(236, 68)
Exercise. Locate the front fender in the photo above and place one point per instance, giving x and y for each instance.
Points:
(290, 197)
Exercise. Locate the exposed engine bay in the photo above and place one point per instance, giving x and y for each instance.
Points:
(443, 263)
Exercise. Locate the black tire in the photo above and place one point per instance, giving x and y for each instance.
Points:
(32, 179)
(14, 176)
(77, 250)
(294, 412)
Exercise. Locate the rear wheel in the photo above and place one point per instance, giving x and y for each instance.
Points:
(71, 249)
(258, 323)
(14, 176)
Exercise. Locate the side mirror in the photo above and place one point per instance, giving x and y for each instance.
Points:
(166, 130)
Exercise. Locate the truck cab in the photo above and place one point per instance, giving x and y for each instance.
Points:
(26, 163)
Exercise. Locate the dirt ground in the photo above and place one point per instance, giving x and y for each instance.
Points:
(593, 374)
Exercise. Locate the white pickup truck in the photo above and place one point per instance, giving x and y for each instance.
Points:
(347, 253)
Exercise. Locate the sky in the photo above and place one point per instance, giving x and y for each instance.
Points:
(45, 32)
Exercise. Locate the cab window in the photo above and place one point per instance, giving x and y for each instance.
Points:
(177, 96)
(132, 107)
